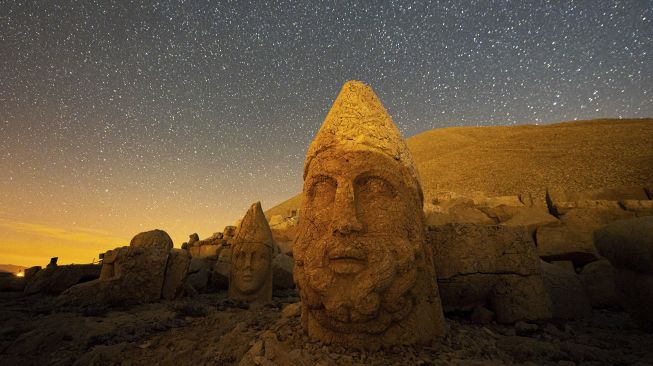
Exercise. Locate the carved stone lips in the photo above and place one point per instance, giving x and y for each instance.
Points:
(347, 260)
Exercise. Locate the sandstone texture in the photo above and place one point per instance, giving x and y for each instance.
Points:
(364, 272)
(495, 265)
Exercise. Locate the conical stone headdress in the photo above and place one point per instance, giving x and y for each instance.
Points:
(254, 228)
(358, 121)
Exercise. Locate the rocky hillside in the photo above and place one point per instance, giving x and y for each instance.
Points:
(511, 160)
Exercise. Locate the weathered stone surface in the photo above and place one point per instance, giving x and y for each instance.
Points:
(364, 273)
(481, 200)
(561, 243)
(463, 249)
(130, 275)
(175, 275)
(54, 280)
(282, 266)
(478, 264)
(515, 298)
(560, 201)
(284, 229)
(566, 291)
(514, 216)
(573, 239)
(251, 258)
(635, 289)
(641, 208)
(209, 251)
(628, 244)
(155, 238)
(192, 238)
(199, 273)
(460, 214)
(598, 279)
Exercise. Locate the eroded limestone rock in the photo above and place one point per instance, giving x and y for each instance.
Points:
(251, 258)
(154, 238)
(364, 273)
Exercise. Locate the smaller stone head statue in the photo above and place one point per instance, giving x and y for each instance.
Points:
(250, 278)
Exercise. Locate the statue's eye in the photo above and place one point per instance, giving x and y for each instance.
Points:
(375, 186)
(323, 190)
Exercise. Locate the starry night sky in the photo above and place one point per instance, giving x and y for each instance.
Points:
(117, 117)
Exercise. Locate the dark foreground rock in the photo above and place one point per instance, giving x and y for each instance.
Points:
(213, 330)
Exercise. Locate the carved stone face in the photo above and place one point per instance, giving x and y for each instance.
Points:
(360, 235)
(251, 265)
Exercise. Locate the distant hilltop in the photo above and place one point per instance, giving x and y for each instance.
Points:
(12, 268)
(528, 159)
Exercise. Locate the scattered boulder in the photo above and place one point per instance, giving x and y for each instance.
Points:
(155, 238)
(566, 291)
(56, 279)
(53, 262)
(129, 275)
(192, 238)
(478, 264)
(176, 273)
(598, 279)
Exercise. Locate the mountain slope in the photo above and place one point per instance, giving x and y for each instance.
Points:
(508, 160)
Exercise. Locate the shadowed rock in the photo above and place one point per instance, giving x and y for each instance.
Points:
(628, 245)
(364, 273)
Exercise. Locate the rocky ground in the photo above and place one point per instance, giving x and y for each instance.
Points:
(213, 330)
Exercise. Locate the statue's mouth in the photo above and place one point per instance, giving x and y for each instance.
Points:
(247, 276)
(347, 260)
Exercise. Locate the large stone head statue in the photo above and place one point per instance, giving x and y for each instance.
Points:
(250, 278)
(364, 272)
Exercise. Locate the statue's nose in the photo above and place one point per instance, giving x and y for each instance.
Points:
(345, 217)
